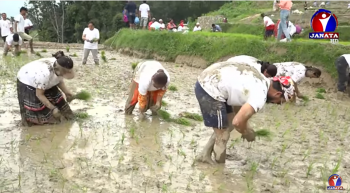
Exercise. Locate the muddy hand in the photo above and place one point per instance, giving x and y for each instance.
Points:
(56, 113)
(142, 116)
(249, 136)
(70, 97)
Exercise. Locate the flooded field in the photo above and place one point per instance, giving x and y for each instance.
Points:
(109, 152)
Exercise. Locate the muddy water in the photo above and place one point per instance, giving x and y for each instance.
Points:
(110, 152)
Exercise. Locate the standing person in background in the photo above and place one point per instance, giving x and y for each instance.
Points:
(197, 27)
(19, 28)
(91, 36)
(131, 9)
(144, 14)
(6, 26)
(27, 24)
(269, 26)
(285, 6)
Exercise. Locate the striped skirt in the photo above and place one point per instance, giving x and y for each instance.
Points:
(33, 112)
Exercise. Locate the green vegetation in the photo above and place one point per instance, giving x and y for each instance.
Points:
(167, 117)
(81, 115)
(83, 95)
(193, 116)
(44, 50)
(263, 133)
(321, 90)
(172, 88)
(103, 56)
(319, 96)
(133, 65)
(210, 47)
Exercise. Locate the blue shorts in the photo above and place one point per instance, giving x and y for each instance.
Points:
(214, 112)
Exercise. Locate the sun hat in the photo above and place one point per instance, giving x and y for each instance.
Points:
(197, 23)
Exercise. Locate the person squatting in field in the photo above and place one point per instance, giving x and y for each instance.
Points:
(229, 94)
(149, 84)
(13, 40)
(39, 97)
(342, 65)
(265, 68)
(297, 71)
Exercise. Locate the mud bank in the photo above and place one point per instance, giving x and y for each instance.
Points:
(110, 152)
(53, 45)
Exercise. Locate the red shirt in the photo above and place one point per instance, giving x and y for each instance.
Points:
(149, 25)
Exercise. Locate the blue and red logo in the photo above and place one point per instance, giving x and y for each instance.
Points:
(335, 182)
(324, 23)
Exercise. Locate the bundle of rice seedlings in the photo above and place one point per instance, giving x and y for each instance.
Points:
(81, 115)
(83, 95)
(193, 116)
(164, 115)
(182, 121)
(263, 133)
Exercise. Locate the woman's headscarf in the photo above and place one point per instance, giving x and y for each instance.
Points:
(181, 23)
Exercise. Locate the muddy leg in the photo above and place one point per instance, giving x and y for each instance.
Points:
(205, 155)
(128, 107)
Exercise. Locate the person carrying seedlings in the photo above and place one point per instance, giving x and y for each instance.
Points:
(12, 40)
(297, 71)
(265, 68)
(342, 65)
(269, 26)
(229, 94)
(149, 84)
(91, 36)
(39, 97)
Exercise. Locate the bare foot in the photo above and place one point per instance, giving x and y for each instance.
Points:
(205, 159)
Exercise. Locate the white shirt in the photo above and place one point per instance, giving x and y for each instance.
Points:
(10, 42)
(347, 58)
(5, 26)
(144, 9)
(292, 29)
(155, 25)
(27, 23)
(246, 59)
(20, 25)
(295, 70)
(144, 72)
(268, 20)
(197, 28)
(39, 74)
(235, 84)
(90, 35)
(162, 25)
(179, 28)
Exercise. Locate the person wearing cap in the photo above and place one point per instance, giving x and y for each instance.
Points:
(38, 87)
(162, 25)
(12, 40)
(150, 23)
(197, 27)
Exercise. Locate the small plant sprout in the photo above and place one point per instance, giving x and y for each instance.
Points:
(172, 88)
(133, 65)
(67, 48)
(83, 95)
(164, 104)
(44, 50)
(309, 168)
(182, 121)
(82, 115)
(103, 56)
(113, 59)
(74, 55)
(264, 133)
(321, 90)
(319, 96)
(38, 54)
(306, 154)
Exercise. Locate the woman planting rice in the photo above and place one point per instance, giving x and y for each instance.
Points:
(297, 71)
(39, 97)
(266, 68)
(229, 94)
(147, 88)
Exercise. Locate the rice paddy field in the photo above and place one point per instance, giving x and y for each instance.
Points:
(104, 151)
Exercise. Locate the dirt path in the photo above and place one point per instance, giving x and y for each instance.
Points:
(110, 152)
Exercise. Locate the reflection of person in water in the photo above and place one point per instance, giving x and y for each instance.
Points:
(39, 97)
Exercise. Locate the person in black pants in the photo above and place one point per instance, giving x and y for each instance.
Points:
(131, 9)
(342, 65)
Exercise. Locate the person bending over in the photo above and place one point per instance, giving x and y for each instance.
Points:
(149, 84)
(229, 94)
(266, 68)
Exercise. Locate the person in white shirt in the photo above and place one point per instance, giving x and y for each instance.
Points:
(155, 25)
(297, 71)
(91, 36)
(27, 24)
(38, 87)
(149, 84)
(13, 40)
(6, 26)
(197, 27)
(229, 94)
(269, 26)
(19, 28)
(342, 65)
(162, 25)
(265, 68)
(145, 14)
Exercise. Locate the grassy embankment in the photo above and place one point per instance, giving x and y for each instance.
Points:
(213, 46)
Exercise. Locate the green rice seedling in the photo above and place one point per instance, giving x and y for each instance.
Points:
(113, 59)
(23, 52)
(38, 54)
(103, 56)
(309, 168)
(164, 115)
(132, 131)
(305, 99)
(122, 139)
(74, 55)
(233, 143)
(133, 65)
(264, 133)
(319, 96)
(337, 166)
(83, 95)
(182, 121)
(193, 116)
(321, 90)
(82, 115)
(254, 167)
(172, 88)
(44, 50)
(164, 104)
(181, 152)
(306, 154)
(67, 48)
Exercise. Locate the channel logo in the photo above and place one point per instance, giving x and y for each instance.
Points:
(324, 23)
(334, 182)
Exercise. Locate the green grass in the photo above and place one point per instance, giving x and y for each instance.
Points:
(83, 95)
(210, 46)
(164, 104)
(319, 96)
(44, 50)
(133, 65)
(75, 55)
(321, 90)
(172, 88)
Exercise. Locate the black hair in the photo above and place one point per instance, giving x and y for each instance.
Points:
(212, 25)
(160, 78)
(263, 15)
(91, 23)
(270, 68)
(317, 72)
(58, 54)
(144, 1)
(23, 9)
(65, 62)
(15, 37)
(276, 85)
